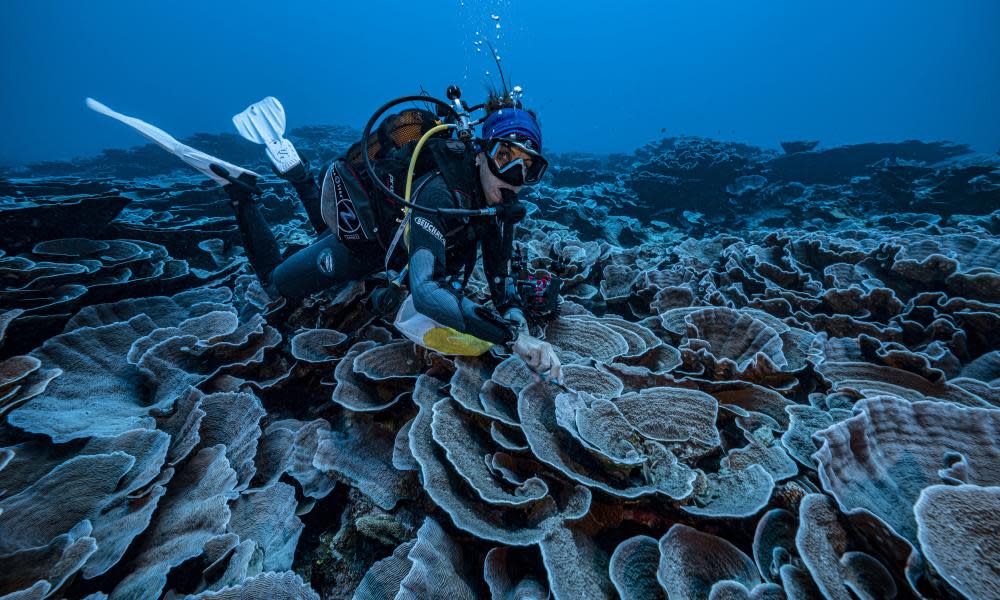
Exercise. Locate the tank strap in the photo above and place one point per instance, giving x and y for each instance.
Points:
(406, 220)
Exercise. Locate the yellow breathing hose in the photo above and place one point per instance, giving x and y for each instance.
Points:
(416, 152)
(438, 337)
(409, 173)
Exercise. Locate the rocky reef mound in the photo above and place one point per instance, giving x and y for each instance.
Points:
(700, 185)
(782, 381)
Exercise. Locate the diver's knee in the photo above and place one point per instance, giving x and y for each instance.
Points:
(305, 273)
(326, 263)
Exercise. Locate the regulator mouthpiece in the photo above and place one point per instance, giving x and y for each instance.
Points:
(512, 210)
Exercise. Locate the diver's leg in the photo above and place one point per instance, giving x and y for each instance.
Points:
(302, 179)
(258, 240)
(326, 262)
(264, 123)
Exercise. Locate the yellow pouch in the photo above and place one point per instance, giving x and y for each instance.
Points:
(425, 331)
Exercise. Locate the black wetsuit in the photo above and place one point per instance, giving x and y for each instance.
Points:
(439, 251)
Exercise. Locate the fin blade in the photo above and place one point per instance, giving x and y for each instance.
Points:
(275, 113)
(246, 130)
(195, 158)
(262, 122)
(151, 132)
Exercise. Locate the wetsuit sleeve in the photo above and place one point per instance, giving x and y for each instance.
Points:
(432, 296)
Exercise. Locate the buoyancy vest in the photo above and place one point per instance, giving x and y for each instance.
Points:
(358, 212)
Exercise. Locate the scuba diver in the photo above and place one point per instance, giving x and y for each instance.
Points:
(368, 201)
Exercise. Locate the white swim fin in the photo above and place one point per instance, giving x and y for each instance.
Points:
(264, 123)
(196, 158)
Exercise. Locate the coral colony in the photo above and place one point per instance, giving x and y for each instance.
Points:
(782, 381)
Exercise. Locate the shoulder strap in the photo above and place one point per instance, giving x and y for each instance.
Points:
(404, 223)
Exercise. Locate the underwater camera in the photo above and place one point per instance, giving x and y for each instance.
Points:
(538, 292)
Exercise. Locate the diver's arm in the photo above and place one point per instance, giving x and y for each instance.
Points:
(302, 179)
(432, 297)
(447, 307)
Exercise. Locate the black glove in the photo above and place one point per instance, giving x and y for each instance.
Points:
(491, 316)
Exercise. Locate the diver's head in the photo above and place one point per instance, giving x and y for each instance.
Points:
(492, 185)
(511, 152)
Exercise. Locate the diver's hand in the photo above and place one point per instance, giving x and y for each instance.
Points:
(539, 356)
(517, 317)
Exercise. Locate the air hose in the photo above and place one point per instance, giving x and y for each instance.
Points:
(511, 211)
(413, 162)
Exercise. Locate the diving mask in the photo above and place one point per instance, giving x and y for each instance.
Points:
(514, 162)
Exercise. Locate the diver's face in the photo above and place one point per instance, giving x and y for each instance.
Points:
(491, 183)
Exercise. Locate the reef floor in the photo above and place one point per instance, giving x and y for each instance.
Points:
(782, 381)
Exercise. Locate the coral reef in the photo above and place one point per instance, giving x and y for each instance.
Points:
(782, 380)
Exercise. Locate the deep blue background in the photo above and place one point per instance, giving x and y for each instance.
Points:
(605, 76)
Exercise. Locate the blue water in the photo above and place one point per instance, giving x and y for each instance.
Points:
(605, 76)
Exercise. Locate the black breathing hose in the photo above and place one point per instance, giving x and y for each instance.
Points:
(511, 212)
